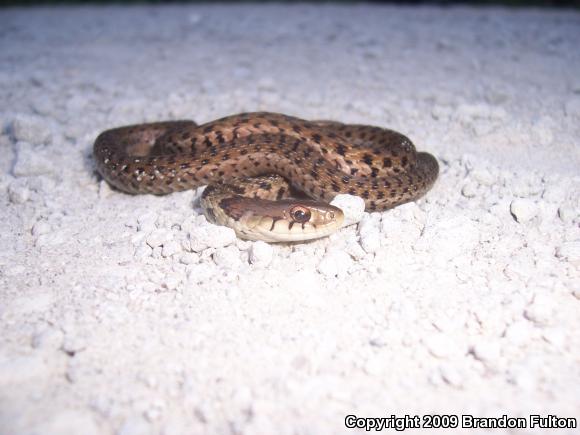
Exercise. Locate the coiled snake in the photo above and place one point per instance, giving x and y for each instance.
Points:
(253, 162)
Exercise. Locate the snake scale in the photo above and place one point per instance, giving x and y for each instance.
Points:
(254, 162)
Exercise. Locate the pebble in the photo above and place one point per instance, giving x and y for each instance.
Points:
(334, 263)
(261, 254)
(170, 248)
(147, 222)
(523, 210)
(159, 237)
(228, 258)
(449, 238)
(487, 352)
(18, 192)
(353, 208)
(567, 214)
(30, 161)
(440, 346)
(32, 129)
(483, 176)
(541, 310)
(451, 375)
(211, 236)
(469, 190)
(40, 228)
(518, 333)
(569, 251)
(371, 241)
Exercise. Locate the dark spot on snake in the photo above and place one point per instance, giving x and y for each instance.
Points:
(365, 194)
(280, 194)
(290, 224)
(387, 184)
(265, 185)
(296, 128)
(345, 179)
(368, 159)
(341, 149)
(207, 129)
(380, 194)
(387, 162)
(316, 138)
(324, 151)
(204, 161)
(274, 220)
(353, 171)
(404, 161)
(221, 173)
(373, 205)
(225, 157)
(374, 172)
(243, 152)
(257, 125)
(184, 165)
(213, 151)
(207, 142)
(314, 174)
(352, 191)
(335, 187)
(396, 170)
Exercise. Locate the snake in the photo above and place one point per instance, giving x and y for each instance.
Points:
(269, 176)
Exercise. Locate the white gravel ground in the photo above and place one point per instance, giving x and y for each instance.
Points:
(131, 315)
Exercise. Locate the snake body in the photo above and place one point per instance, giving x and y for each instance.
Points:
(319, 158)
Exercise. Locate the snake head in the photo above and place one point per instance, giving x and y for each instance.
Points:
(287, 220)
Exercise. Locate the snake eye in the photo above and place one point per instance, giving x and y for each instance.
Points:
(300, 214)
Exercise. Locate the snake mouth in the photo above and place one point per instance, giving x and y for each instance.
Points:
(283, 221)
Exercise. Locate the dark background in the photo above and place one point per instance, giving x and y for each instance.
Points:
(511, 3)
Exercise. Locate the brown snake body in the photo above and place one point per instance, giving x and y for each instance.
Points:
(319, 158)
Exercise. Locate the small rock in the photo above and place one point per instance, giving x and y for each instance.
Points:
(541, 310)
(170, 248)
(440, 345)
(523, 210)
(40, 228)
(30, 161)
(147, 222)
(18, 192)
(370, 242)
(518, 333)
(32, 129)
(483, 177)
(159, 237)
(334, 263)
(228, 258)
(569, 251)
(353, 208)
(261, 254)
(469, 190)
(486, 352)
(451, 375)
(567, 214)
(211, 236)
